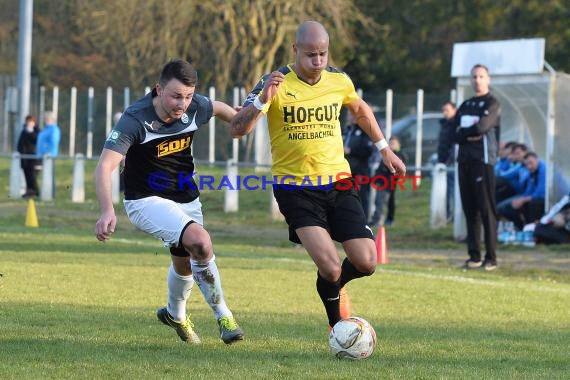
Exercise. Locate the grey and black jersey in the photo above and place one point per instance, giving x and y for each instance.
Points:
(478, 116)
(158, 156)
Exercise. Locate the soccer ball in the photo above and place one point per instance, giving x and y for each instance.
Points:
(352, 338)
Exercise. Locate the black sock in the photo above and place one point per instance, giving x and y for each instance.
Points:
(349, 272)
(329, 293)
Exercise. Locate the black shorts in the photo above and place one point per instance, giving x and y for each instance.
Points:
(338, 211)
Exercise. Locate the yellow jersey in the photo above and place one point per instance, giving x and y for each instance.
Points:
(304, 127)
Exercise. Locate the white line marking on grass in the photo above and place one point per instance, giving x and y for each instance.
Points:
(478, 281)
(503, 282)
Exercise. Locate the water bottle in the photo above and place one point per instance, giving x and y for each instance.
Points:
(511, 233)
(529, 239)
(501, 235)
(519, 238)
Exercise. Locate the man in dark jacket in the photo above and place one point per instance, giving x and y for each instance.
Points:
(358, 149)
(446, 150)
(27, 146)
(385, 199)
(478, 130)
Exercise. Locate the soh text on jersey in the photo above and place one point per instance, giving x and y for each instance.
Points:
(172, 146)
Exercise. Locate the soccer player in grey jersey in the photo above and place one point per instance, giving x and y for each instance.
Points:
(154, 136)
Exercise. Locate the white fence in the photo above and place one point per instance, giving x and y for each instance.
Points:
(81, 118)
(86, 118)
(18, 188)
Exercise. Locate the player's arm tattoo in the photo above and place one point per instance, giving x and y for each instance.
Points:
(244, 121)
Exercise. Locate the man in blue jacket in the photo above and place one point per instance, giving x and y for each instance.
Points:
(528, 206)
(49, 137)
(510, 181)
(48, 142)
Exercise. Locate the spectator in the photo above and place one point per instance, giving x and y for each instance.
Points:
(48, 141)
(385, 200)
(446, 151)
(554, 227)
(27, 146)
(49, 137)
(529, 205)
(510, 180)
(503, 162)
(358, 149)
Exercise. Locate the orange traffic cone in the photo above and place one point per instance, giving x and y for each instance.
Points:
(381, 247)
(31, 215)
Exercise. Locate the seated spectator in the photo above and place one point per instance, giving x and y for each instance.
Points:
(504, 163)
(509, 181)
(528, 206)
(554, 227)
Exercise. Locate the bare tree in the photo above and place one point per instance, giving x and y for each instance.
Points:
(139, 36)
(242, 40)
(231, 42)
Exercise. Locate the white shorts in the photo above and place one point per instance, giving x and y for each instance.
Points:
(162, 218)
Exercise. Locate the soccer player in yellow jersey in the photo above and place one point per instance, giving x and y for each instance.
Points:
(312, 182)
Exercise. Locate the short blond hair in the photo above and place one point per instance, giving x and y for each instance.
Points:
(49, 117)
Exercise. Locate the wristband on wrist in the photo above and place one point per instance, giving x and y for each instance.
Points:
(257, 103)
(382, 144)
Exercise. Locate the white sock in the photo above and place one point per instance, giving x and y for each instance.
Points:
(179, 288)
(208, 279)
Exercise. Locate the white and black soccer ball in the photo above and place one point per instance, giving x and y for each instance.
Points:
(352, 338)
